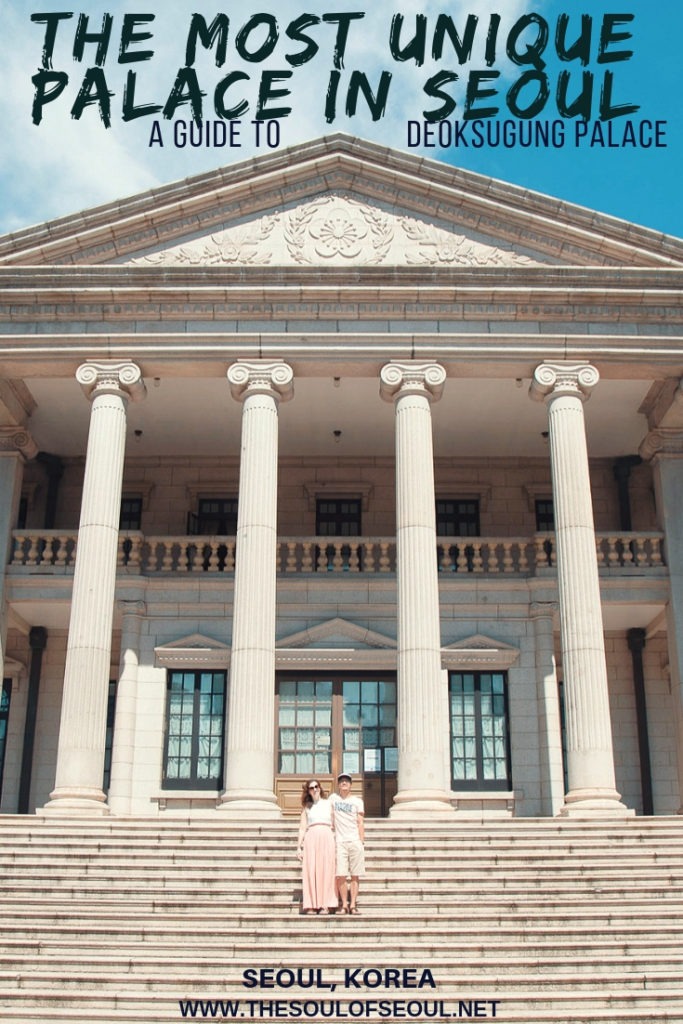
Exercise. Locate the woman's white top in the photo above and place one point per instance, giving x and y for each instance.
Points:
(319, 813)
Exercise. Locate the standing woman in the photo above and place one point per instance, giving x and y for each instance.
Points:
(316, 850)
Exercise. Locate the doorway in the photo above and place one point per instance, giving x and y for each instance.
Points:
(333, 722)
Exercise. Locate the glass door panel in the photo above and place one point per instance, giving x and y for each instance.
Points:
(333, 724)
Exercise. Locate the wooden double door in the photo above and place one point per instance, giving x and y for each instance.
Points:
(332, 722)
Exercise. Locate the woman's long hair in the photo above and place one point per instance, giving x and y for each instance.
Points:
(306, 798)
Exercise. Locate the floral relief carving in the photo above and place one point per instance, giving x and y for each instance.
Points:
(436, 246)
(338, 228)
(242, 246)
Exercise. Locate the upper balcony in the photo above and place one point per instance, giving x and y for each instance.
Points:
(54, 552)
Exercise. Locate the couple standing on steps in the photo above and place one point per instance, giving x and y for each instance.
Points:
(331, 837)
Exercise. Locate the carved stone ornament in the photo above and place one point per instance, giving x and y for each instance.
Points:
(123, 379)
(555, 379)
(249, 377)
(335, 230)
(438, 247)
(230, 247)
(18, 439)
(400, 379)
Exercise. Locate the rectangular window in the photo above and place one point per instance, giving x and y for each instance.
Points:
(545, 515)
(305, 726)
(479, 730)
(215, 517)
(131, 514)
(4, 722)
(338, 517)
(195, 716)
(457, 517)
(369, 725)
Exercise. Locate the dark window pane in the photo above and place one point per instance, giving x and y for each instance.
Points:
(479, 730)
(194, 730)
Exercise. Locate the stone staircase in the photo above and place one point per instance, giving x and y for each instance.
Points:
(521, 921)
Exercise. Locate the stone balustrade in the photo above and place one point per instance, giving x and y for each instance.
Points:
(521, 556)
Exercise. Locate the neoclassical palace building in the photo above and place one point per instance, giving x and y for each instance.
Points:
(335, 459)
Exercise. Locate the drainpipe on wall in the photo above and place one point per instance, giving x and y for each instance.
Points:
(636, 643)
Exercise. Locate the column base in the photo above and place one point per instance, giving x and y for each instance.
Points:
(425, 803)
(256, 804)
(76, 802)
(594, 803)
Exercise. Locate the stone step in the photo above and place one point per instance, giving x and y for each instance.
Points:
(116, 984)
(282, 860)
(195, 835)
(654, 883)
(104, 915)
(443, 841)
(513, 1005)
(513, 960)
(272, 944)
(525, 1013)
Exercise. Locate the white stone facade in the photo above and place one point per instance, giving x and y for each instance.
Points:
(269, 311)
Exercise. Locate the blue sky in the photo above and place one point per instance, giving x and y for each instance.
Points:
(64, 165)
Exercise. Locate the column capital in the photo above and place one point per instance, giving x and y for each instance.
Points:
(543, 609)
(398, 379)
(662, 441)
(255, 377)
(17, 439)
(131, 607)
(552, 380)
(124, 379)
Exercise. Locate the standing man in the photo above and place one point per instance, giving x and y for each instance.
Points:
(349, 821)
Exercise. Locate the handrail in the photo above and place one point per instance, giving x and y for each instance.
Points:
(173, 553)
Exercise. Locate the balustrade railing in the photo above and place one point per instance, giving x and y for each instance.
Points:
(523, 556)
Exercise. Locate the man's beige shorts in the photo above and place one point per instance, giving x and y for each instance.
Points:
(350, 858)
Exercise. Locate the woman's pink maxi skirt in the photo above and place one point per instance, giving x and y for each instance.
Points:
(319, 868)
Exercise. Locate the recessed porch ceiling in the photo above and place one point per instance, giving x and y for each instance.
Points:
(475, 418)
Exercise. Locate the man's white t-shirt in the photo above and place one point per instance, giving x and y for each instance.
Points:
(346, 813)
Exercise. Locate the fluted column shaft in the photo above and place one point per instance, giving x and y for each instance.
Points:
(422, 691)
(250, 734)
(82, 734)
(550, 727)
(590, 759)
(123, 747)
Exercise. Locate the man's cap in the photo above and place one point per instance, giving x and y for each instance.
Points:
(344, 775)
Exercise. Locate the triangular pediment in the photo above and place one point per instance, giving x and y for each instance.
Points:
(479, 653)
(479, 642)
(194, 651)
(340, 202)
(337, 633)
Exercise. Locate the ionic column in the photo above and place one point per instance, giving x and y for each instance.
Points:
(590, 759)
(664, 448)
(80, 753)
(550, 727)
(125, 717)
(422, 690)
(249, 754)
